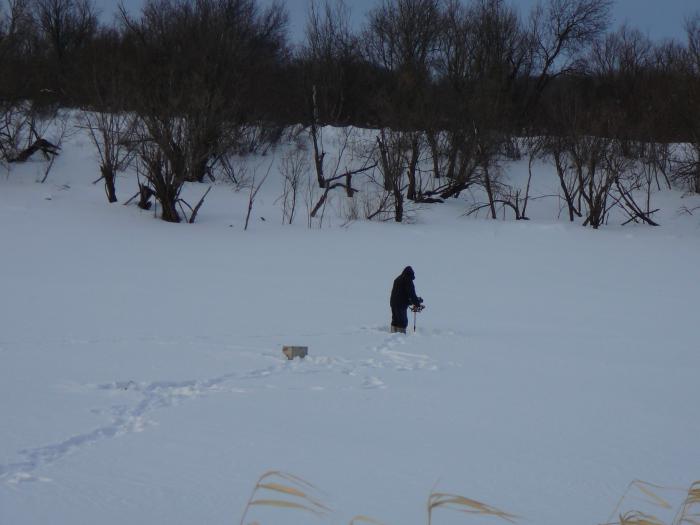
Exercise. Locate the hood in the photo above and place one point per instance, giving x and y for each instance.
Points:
(408, 272)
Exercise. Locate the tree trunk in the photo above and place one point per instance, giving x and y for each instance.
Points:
(433, 144)
(167, 196)
(145, 194)
(384, 158)
(562, 181)
(169, 210)
(489, 191)
(411, 193)
(398, 203)
(109, 176)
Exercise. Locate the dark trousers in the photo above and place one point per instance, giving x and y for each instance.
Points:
(399, 316)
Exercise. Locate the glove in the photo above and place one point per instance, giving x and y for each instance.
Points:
(420, 300)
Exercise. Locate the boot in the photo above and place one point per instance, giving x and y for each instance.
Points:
(397, 329)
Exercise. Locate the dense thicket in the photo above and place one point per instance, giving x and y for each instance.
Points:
(414, 64)
(459, 79)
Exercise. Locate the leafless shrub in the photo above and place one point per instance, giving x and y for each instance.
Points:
(256, 139)
(597, 166)
(293, 168)
(112, 135)
(508, 197)
(164, 176)
(505, 197)
(650, 169)
(254, 189)
(14, 129)
(372, 202)
(686, 169)
(657, 161)
(341, 173)
(597, 174)
(227, 166)
(555, 149)
(57, 128)
(605, 180)
(164, 179)
(27, 129)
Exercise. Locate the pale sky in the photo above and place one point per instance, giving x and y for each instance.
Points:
(658, 18)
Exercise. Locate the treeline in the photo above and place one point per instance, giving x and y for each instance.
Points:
(414, 64)
(452, 83)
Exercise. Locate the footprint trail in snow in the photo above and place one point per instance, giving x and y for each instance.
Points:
(130, 418)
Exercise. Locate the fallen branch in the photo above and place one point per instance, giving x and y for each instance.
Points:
(199, 205)
(43, 145)
(351, 191)
(632, 209)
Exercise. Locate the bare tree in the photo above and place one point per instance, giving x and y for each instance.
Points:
(196, 65)
(598, 169)
(165, 178)
(401, 37)
(15, 27)
(482, 54)
(329, 53)
(330, 49)
(559, 32)
(112, 134)
(198, 62)
(692, 30)
(558, 148)
(66, 24)
(565, 108)
(391, 149)
(15, 109)
(105, 117)
(65, 27)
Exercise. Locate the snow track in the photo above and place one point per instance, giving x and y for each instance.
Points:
(133, 417)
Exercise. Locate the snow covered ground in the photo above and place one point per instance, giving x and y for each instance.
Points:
(142, 379)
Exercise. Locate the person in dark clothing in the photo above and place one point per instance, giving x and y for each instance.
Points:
(403, 295)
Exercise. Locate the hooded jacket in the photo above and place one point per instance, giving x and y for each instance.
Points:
(403, 293)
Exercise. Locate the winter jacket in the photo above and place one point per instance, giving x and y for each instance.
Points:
(403, 293)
